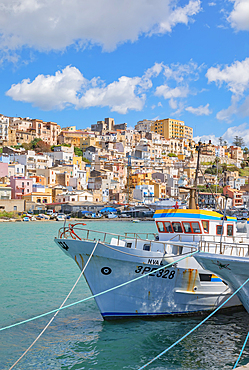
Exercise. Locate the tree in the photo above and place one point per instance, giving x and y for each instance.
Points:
(238, 141)
(246, 150)
(221, 140)
(78, 151)
(41, 146)
(172, 155)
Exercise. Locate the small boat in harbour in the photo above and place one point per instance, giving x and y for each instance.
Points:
(182, 288)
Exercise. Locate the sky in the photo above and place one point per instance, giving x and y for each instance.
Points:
(77, 62)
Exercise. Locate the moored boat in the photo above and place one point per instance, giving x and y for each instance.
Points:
(231, 263)
(184, 287)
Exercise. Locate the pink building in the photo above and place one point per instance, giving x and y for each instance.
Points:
(3, 169)
(20, 186)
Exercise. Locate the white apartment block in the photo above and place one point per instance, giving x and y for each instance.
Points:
(144, 125)
(4, 126)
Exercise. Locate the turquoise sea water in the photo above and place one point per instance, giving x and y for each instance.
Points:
(35, 277)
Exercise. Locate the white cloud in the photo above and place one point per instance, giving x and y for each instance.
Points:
(200, 111)
(236, 76)
(70, 88)
(229, 135)
(173, 103)
(226, 114)
(180, 76)
(49, 92)
(180, 15)
(206, 138)
(119, 96)
(56, 24)
(241, 130)
(169, 93)
(239, 17)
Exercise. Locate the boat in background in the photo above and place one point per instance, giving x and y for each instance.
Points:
(169, 203)
(60, 217)
(112, 215)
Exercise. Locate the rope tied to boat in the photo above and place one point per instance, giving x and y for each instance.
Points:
(52, 319)
(98, 294)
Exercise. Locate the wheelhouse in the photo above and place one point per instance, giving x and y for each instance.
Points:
(191, 224)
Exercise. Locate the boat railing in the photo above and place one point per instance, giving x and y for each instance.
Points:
(77, 232)
(170, 246)
(226, 248)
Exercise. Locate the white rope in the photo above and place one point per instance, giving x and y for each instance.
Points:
(82, 272)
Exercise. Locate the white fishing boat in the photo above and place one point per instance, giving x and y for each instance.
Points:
(182, 288)
(231, 263)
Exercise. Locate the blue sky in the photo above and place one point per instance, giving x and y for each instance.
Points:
(80, 61)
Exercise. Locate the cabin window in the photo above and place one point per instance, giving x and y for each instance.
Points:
(187, 227)
(177, 227)
(196, 227)
(128, 245)
(218, 229)
(168, 227)
(146, 247)
(229, 230)
(205, 277)
(205, 225)
(160, 227)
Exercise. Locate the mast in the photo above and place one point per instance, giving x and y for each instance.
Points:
(128, 186)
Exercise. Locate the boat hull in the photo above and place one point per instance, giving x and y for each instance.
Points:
(171, 291)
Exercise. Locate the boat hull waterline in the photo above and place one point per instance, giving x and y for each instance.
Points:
(174, 290)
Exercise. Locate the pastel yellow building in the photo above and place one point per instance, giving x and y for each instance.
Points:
(77, 160)
(159, 189)
(172, 128)
(141, 179)
(86, 142)
(40, 197)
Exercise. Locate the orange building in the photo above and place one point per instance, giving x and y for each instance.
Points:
(235, 195)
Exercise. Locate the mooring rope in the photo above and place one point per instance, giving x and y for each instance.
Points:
(191, 331)
(242, 349)
(98, 294)
(50, 321)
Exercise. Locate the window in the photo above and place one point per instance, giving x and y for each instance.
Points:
(128, 245)
(205, 225)
(177, 227)
(229, 230)
(218, 229)
(146, 247)
(160, 227)
(187, 227)
(168, 227)
(196, 227)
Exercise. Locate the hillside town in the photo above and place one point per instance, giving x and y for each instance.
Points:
(45, 167)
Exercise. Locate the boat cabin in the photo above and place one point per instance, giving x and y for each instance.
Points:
(194, 225)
